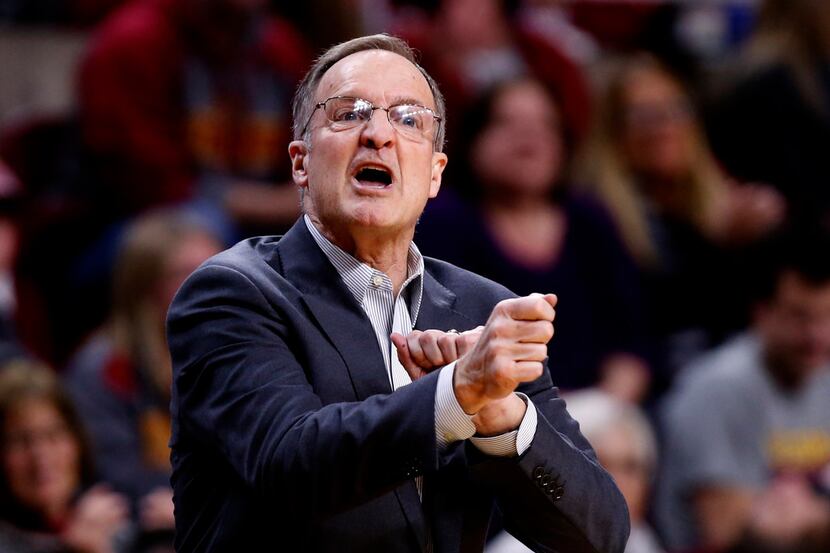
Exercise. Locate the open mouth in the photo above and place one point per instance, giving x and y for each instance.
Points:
(374, 176)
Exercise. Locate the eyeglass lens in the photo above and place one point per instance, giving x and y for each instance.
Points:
(412, 120)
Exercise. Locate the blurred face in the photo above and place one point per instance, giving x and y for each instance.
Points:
(617, 452)
(521, 149)
(41, 457)
(658, 129)
(795, 325)
(370, 177)
(187, 255)
(471, 23)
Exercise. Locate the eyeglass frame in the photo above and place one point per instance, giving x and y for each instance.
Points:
(322, 104)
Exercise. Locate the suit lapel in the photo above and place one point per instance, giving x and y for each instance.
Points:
(335, 310)
(437, 308)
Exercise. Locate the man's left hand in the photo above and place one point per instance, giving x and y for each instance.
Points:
(421, 352)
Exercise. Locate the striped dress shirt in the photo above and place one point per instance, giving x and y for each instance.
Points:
(372, 289)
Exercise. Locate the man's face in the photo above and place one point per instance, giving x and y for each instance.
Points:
(795, 324)
(332, 167)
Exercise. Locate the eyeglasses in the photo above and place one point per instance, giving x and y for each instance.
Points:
(344, 112)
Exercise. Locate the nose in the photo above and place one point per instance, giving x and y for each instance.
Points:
(378, 132)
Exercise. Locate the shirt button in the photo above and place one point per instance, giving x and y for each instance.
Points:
(377, 280)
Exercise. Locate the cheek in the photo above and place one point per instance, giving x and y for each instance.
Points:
(17, 467)
(487, 157)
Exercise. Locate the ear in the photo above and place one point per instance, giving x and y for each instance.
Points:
(439, 162)
(299, 152)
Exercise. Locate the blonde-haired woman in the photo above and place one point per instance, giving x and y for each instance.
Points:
(679, 214)
(120, 379)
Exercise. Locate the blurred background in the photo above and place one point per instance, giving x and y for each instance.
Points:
(663, 166)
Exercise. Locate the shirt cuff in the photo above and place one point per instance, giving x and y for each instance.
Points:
(452, 424)
(514, 442)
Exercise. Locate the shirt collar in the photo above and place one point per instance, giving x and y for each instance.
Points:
(358, 276)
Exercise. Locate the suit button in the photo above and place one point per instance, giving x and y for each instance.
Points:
(538, 472)
(557, 493)
(545, 481)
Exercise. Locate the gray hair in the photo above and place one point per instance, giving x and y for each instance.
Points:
(303, 104)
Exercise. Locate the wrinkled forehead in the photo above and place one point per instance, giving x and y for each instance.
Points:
(379, 76)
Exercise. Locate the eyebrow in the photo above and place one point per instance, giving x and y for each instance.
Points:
(398, 100)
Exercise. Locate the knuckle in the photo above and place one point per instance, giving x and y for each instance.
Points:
(501, 328)
(536, 369)
(431, 336)
(503, 378)
(547, 330)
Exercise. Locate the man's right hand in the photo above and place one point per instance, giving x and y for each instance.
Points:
(511, 350)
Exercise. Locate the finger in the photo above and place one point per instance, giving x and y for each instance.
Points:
(529, 352)
(429, 345)
(416, 352)
(404, 355)
(527, 371)
(534, 332)
(448, 344)
(530, 308)
(468, 340)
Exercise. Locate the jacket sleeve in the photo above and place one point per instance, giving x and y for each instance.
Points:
(240, 390)
(556, 497)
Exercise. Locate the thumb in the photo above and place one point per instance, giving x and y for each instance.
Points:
(552, 299)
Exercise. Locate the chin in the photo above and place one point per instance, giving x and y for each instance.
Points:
(370, 216)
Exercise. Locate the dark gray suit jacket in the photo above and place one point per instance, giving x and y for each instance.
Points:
(287, 437)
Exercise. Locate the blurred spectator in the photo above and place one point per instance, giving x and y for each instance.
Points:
(774, 125)
(532, 235)
(60, 279)
(747, 456)
(551, 19)
(626, 447)
(188, 100)
(471, 45)
(47, 503)
(680, 216)
(120, 379)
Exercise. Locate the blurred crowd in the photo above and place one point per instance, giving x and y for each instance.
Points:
(663, 167)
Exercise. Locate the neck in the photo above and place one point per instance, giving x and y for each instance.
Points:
(386, 252)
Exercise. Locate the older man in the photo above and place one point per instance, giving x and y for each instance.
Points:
(298, 428)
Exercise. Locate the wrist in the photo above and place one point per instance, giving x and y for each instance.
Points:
(500, 416)
(467, 393)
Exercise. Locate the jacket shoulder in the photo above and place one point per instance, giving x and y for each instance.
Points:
(466, 285)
